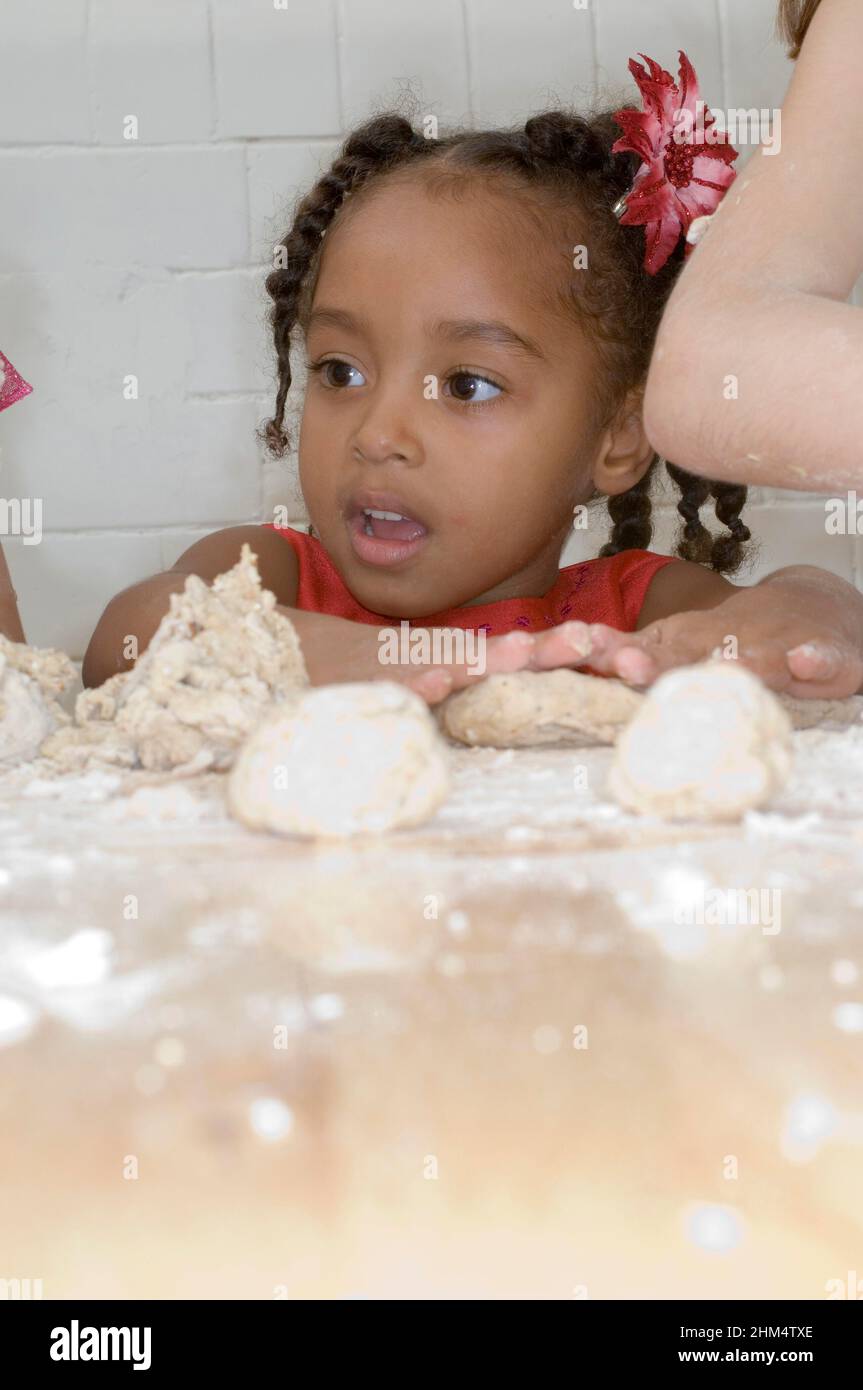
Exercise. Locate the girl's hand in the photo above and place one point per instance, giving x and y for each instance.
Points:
(336, 649)
(789, 653)
(514, 651)
(565, 645)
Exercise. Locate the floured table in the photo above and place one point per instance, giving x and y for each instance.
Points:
(499, 1056)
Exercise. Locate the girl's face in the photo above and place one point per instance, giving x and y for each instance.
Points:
(447, 390)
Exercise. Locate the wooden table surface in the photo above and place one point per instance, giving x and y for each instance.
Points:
(488, 1058)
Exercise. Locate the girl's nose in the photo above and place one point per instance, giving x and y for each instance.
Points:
(388, 430)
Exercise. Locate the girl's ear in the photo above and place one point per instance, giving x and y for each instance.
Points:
(625, 453)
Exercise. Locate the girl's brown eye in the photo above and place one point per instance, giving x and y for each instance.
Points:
(471, 388)
(335, 372)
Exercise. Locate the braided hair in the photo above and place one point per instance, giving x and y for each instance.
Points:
(565, 163)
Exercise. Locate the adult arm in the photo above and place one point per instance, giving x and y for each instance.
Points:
(10, 619)
(757, 374)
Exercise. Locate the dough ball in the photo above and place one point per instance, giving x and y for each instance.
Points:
(25, 717)
(342, 760)
(531, 708)
(709, 743)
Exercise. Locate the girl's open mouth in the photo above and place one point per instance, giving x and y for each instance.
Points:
(383, 537)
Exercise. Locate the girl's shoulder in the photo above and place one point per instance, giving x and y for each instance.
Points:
(319, 586)
(611, 589)
(212, 555)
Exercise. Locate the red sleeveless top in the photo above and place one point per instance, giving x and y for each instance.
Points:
(609, 591)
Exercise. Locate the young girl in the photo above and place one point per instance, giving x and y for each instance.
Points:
(478, 324)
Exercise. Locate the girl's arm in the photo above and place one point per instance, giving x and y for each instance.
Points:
(10, 619)
(334, 648)
(138, 610)
(757, 374)
(800, 630)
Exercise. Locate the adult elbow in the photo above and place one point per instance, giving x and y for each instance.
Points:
(665, 403)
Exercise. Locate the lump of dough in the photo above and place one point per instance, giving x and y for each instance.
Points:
(25, 719)
(709, 743)
(30, 678)
(220, 656)
(529, 708)
(342, 760)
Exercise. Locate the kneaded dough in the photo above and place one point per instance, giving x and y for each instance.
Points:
(218, 659)
(709, 743)
(342, 760)
(529, 708)
(30, 680)
(823, 714)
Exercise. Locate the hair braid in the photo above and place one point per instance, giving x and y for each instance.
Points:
(728, 551)
(696, 543)
(722, 553)
(377, 145)
(631, 513)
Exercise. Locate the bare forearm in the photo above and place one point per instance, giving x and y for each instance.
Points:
(134, 613)
(332, 647)
(335, 649)
(764, 387)
(758, 367)
(10, 619)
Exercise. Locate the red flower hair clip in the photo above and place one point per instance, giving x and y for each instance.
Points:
(13, 387)
(686, 160)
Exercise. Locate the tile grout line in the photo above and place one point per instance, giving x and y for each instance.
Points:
(722, 33)
(469, 68)
(339, 23)
(214, 89)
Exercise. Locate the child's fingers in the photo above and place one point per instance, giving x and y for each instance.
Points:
(815, 661)
(605, 643)
(565, 645)
(637, 667)
(512, 652)
(824, 671)
(639, 658)
(433, 684)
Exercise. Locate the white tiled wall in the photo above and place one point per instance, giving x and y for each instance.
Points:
(147, 257)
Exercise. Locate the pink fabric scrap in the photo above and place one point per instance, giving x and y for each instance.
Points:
(13, 387)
